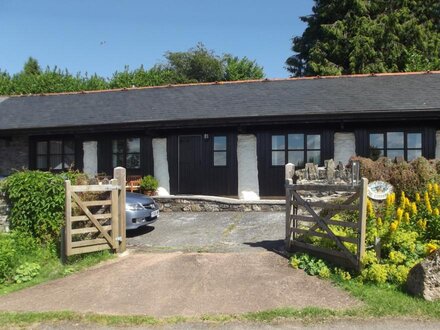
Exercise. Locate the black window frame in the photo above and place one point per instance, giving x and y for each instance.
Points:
(48, 153)
(405, 147)
(125, 152)
(287, 149)
(224, 151)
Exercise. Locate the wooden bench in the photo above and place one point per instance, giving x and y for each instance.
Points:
(133, 183)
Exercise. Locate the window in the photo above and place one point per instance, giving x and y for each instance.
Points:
(219, 150)
(56, 155)
(407, 145)
(297, 149)
(126, 152)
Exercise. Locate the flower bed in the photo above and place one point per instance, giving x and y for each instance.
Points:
(400, 233)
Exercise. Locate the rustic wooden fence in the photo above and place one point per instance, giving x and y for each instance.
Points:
(95, 216)
(307, 219)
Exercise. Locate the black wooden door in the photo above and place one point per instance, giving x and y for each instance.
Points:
(190, 164)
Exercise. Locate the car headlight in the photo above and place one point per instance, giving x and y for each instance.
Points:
(134, 207)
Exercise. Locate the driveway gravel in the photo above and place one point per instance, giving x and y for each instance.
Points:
(212, 232)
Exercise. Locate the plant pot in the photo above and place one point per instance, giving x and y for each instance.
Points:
(149, 192)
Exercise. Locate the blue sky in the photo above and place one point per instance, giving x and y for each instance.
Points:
(103, 36)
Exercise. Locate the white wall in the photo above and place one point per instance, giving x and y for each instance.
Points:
(247, 167)
(90, 158)
(345, 147)
(437, 145)
(161, 166)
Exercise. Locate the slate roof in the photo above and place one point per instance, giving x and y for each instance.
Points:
(337, 96)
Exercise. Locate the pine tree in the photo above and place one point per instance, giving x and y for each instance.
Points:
(365, 36)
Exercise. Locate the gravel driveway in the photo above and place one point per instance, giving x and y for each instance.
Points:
(212, 232)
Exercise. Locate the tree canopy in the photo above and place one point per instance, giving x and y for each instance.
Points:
(198, 64)
(367, 36)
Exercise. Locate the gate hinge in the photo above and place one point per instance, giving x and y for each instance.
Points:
(119, 238)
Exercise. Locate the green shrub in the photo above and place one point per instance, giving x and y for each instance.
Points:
(409, 177)
(26, 272)
(17, 249)
(149, 183)
(37, 203)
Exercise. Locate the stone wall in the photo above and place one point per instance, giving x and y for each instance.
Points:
(330, 173)
(215, 204)
(14, 154)
(4, 225)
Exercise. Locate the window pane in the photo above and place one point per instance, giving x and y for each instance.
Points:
(133, 145)
(375, 153)
(278, 142)
(118, 146)
(414, 140)
(413, 154)
(55, 148)
(42, 148)
(296, 158)
(376, 141)
(296, 141)
(392, 154)
(313, 141)
(220, 158)
(69, 147)
(69, 161)
(133, 161)
(219, 142)
(395, 140)
(55, 162)
(277, 158)
(42, 162)
(314, 157)
(118, 160)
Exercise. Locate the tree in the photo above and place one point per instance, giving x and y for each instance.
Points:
(242, 69)
(198, 64)
(31, 67)
(366, 36)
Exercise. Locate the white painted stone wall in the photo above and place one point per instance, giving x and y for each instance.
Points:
(345, 147)
(248, 188)
(161, 172)
(90, 159)
(437, 145)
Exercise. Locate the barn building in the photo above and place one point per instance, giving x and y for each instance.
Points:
(224, 139)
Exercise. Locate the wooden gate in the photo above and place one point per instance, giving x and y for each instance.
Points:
(95, 216)
(307, 219)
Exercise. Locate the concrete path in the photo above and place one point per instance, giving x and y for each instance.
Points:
(244, 271)
(179, 283)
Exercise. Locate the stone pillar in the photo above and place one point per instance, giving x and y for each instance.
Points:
(90, 158)
(161, 172)
(248, 188)
(345, 147)
(437, 145)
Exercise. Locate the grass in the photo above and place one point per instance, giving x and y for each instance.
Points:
(52, 268)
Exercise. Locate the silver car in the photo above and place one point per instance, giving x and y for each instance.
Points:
(140, 210)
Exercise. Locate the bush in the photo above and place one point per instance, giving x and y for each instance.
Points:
(149, 183)
(409, 177)
(37, 202)
(17, 250)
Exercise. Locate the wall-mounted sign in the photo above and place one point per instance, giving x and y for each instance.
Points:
(379, 190)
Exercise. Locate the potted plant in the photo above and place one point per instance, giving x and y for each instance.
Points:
(149, 185)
